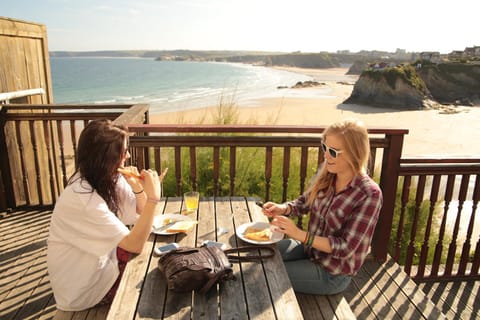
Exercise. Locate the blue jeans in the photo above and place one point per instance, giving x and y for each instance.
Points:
(307, 276)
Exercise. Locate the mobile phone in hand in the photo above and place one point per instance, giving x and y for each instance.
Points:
(166, 248)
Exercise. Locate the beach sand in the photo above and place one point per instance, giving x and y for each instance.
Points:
(432, 133)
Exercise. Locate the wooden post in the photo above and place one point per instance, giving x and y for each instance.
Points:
(7, 197)
(388, 184)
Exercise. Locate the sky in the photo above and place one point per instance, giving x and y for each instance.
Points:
(254, 25)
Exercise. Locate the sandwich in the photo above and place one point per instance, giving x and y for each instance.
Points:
(182, 226)
(257, 234)
(128, 173)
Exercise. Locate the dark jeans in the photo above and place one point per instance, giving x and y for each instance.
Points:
(307, 276)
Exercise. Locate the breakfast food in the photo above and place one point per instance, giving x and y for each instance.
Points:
(182, 226)
(257, 234)
(127, 172)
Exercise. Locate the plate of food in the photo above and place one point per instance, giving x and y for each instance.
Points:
(172, 223)
(258, 233)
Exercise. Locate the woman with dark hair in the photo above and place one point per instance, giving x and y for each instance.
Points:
(344, 204)
(89, 241)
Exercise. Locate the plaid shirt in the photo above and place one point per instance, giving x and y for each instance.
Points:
(347, 219)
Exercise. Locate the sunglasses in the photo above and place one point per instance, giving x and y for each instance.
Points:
(333, 152)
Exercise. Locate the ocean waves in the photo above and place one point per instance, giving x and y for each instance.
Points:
(165, 85)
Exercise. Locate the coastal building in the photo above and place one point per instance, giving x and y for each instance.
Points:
(472, 51)
(456, 54)
(432, 56)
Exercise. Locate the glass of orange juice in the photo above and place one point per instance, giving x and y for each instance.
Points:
(191, 199)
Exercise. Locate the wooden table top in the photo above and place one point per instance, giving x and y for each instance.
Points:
(261, 290)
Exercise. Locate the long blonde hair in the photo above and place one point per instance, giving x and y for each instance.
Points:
(354, 135)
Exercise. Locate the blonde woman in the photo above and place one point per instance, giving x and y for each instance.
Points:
(344, 204)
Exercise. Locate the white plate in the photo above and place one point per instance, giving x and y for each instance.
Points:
(160, 221)
(276, 236)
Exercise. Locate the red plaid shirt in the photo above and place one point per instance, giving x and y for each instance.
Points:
(347, 219)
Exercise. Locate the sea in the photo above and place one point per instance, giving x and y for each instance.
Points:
(166, 85)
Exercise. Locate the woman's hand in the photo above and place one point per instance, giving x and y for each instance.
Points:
(271, 209)
(286, 225)
(151, 184)
(133, 178)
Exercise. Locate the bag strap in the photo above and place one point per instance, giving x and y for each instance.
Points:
(256, 249)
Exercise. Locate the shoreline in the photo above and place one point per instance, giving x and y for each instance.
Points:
(431, 132)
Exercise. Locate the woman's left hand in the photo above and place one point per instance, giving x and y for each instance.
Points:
(285, 225)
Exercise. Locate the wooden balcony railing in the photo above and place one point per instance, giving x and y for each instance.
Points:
(438, 222)
(38, 145)
(212, 159)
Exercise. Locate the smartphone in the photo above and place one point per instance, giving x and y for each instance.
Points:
(210, 243)
(166, 248)
(259, 203)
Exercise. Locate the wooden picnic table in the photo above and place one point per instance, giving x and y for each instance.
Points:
(261, 290)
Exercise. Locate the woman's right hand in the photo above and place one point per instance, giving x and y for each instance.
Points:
(151, 184)
(272, 209)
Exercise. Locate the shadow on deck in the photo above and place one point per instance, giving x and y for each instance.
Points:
(377, 292)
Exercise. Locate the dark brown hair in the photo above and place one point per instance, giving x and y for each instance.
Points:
(99, 154)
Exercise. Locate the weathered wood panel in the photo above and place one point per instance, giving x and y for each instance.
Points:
(24, 64)
(24, 60)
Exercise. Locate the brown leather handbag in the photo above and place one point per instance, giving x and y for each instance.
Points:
(187, 269)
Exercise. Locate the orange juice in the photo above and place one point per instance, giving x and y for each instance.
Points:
(191, 200)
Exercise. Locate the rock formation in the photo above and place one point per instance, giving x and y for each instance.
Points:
(418, 86)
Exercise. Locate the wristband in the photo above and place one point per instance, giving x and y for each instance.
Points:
(310, 239)
(306, 238)
(141, 191)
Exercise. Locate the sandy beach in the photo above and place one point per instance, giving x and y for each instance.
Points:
(432, 133)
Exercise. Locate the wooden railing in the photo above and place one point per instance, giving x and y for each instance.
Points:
(437, 235)
(38, 145)
(289, 157)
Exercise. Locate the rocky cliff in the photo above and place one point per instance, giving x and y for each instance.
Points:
(418, 86)
(452, 83)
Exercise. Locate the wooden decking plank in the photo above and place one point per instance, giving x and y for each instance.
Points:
(411, 290)
(50, 309)
(40, 299)
(453, 295)
(325, 307)
(23, 267)
(341, 307)
(358, 303)
(380, 306)
(392, 292)
(309, 307)
(27, 286)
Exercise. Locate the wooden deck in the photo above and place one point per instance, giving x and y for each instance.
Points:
(377, 292)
